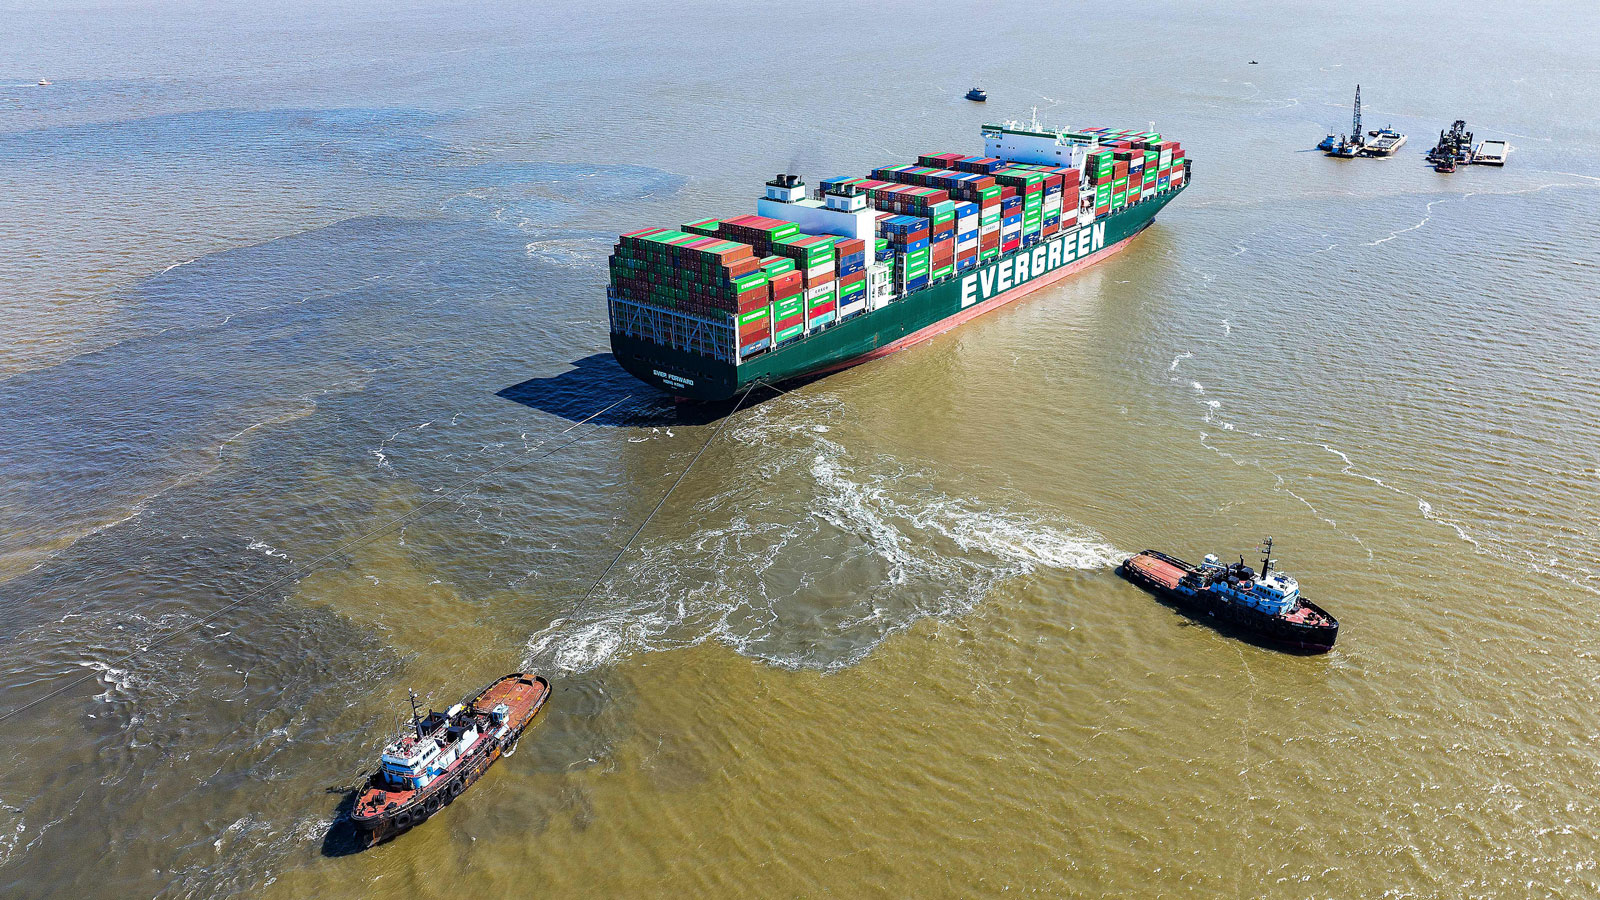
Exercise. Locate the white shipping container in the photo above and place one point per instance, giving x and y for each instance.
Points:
(968, 244)
(880, 285)
(1052, 202)
(966, 224)
(1166, 158)
(853, 307)
(990, 228)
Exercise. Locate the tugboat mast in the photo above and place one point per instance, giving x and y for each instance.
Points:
(1266, 562)
(416, 717)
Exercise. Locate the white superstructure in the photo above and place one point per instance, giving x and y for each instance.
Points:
(845, 215)
(1034, 143)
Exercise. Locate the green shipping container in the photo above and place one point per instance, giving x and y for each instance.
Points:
(789, 332)
(944, 271)
(754, 316)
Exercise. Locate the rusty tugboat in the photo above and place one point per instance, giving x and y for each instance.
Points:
(442, 754)
(1267, 606)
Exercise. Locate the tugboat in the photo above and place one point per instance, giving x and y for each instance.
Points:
(1267, 605)
(442, 754)
(978, 94)
(1346, 148)
(1329, 142)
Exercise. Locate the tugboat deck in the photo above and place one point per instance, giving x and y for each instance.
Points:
(1158, 570)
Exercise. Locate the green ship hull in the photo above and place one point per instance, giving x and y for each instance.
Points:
(909, 320)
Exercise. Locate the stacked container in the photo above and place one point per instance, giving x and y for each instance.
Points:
(942, 244)
(1101, 171)
(970, 187)
(677, 270)
(967, 216)
(708, 284)
(1010, 220)
(704, 227)
(815, 257)
(1057, 181)
(980, 165)
(788, 306)
(908, 238)
(757, 231)
(1067, 197)
(850, 256)
(1029, 185)
(940, 160)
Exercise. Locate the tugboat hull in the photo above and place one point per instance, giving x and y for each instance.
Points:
(1161, 575)
(381, 814)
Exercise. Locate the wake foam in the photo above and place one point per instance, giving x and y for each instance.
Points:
(813, 560)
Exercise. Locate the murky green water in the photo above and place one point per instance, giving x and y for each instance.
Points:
(278, 277)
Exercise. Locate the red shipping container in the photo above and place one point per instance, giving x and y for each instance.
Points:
(853, 278)
(742, 267)
(787, 284)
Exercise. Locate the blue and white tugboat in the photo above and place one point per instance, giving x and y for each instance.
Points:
(1267, 605)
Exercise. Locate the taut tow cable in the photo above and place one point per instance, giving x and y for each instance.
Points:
(659, 503)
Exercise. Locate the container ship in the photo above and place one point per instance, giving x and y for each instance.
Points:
(870, 265)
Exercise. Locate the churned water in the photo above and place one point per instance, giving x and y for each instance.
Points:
(278, 277)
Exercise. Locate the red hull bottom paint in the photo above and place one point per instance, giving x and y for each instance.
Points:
(979, 309)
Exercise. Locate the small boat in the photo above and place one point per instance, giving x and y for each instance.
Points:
(1254, 63)
(978, 94)
(1328, 143)
(1345, 149)
(1445, 164)
(1266, 605)
(44, 82)
(442, 754)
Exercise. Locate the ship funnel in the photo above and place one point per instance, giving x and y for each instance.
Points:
(786, 188)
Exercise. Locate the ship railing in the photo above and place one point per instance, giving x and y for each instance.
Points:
(672, 328)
